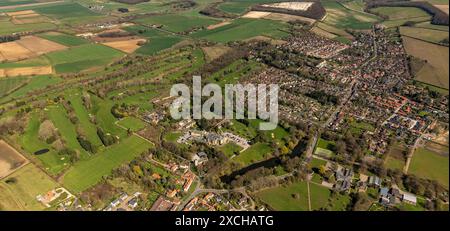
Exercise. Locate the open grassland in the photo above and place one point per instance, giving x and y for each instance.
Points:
(67, 10)
(21, 195)
(64, 39)
(282, 198)
(241, 29)
(35, 83)
(430, 165)
(434, 36)
(132, 123)
(82, 57)
(436, 70)
(428, 25)
(8, 27)
(85, 174)
(341, 17)
(394, 13)
(177, 23)
(255, 153)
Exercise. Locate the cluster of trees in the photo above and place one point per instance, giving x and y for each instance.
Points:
(316, 11)
(9, 38)
(115, 34)
(13, 125)
(121, 111)
(323, 97)
(106, 138)
(212, 11)
(181, 4)
(348, 148)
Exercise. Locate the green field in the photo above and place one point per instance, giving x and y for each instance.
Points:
(158, 40)
(9, 84)
(33, 62)
(85, 174)
(241, 29)
(7, 27)
(282, 198)
(324, 148)
(16, 2)
(82, 57)
(430, 165)
(255, 153)
(132, 123)
(21, 195)
(64, 39)
(230, 149)
(36, 82)
(235, 7)
(341, 17)
(177, 23)
(63, 11)
(394, 13)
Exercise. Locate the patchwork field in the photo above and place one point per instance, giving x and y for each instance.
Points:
(82, 57)
(20, 193)
(10, 159)
(435, 71)
(27, 47)
(430, 165)
(341, 17)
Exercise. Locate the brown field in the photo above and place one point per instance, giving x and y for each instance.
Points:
(22, 12)
(26, 19)
(12, 51)
(220, 24)
(436, 70)
(40, 46)
(256, 14)
(443, 8)
(10, 159)
(22, 71)
(288, 18)
(128, 46)
(27, 47)
(215, 52)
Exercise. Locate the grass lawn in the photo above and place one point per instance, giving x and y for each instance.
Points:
(21, 195)
(82, 57)
(87, 173)
(102, 110)
(430, 165)
(172, 136)
(316, 163)
(177, 23)
(319, 196)
(132, 123)
(282, 198)
(230, 149)
(241, 29)
(255, 153)
(64, 39)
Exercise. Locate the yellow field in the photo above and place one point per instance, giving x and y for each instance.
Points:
(127, 46)
(24, 71)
